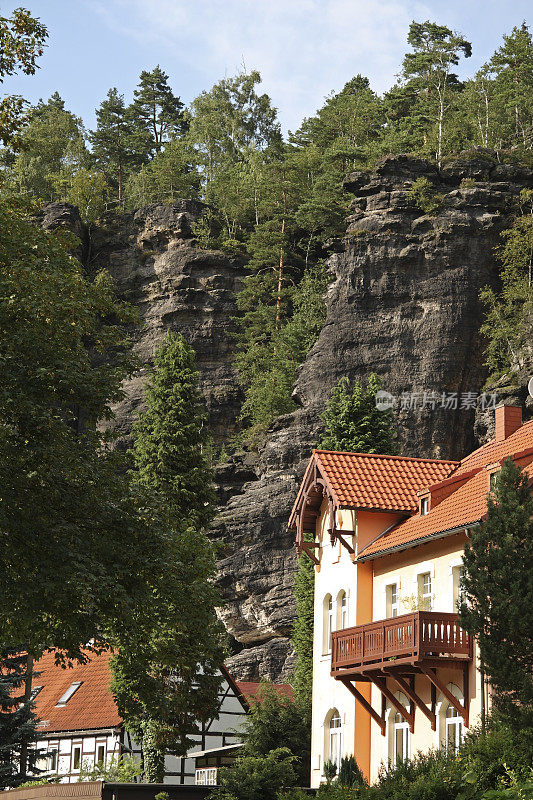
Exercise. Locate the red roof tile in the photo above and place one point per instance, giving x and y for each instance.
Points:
(467, 503)
(362, 480)
(251, 691)
(92, 706)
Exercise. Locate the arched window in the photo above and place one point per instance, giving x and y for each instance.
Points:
(454, 730)
(327, 623)
(342, 611)
(333, 737)
(401, 738)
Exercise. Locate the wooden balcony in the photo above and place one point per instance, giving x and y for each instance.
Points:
(423, 636)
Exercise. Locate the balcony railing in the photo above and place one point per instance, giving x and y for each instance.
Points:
(411, 637)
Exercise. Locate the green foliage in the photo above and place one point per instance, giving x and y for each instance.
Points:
(171, 435)
(330, 770)
(257, 777)
(165, 671)
(166, 178)
(22, 42)
(126, 769)
(17, 720)
(509, 313)
(349, 773)
(155, 111)
(64, 355)
(87, 190)
(277, 721)
(352, 421)
(302, 632)
(423, 193)
(497, 562)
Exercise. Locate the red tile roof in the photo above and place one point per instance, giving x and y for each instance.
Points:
(92, 706)
(362, 480)
(466, 504)
(251, 691)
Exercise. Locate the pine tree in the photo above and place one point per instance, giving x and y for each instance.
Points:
(498, 587)
(118, 146)
(17, 720)
(352, 421)
(165, 671)
(171, 436)
(156, 109)
(512, 65)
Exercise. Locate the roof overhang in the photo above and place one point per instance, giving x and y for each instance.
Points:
(415, 542)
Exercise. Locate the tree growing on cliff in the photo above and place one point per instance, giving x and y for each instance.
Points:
(156, 110)
(354, 423)
(165, 670)
(428, 69)
(118, 146)
(498, 592)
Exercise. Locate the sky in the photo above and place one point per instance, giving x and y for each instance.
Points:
(304, 49)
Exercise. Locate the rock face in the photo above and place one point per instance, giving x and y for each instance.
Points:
(175, 286)
(403, 302)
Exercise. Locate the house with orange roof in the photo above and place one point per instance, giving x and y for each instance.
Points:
(80, 726)
(393, 672)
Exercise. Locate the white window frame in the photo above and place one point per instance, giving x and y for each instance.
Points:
(72, 689)
(342, 610)
(424, 506)
(334, 737)
(205, 776)
(392, 605)
(102, 761)
(327, 622)
(456, 722)
(74, 748)
(422, 569)
(400, 725)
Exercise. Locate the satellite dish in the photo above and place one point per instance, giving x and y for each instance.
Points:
(530, 387)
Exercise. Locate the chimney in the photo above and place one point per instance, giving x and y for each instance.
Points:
(507, 420)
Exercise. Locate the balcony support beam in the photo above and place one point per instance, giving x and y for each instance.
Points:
(462, 710)
(414, 697)
(366, 705)
(307, 548)
(381, 684)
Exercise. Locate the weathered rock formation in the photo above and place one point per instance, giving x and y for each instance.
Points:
(403, 302)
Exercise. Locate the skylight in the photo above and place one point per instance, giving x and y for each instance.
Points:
(65, 697)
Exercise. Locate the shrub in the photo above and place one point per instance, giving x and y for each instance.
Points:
(257, 777)
(349, 773)
(423, 193)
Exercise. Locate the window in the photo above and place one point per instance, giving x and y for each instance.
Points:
(342, 611)
(76, 757)
(454, 730)
(392, 600)
(401, 738)
(65, 697)
(458, 593)
(34, 692)
(424, 591)
(52, 760)
(206, 776)
(424, 506)
(334, 750)
(100, 754)
(327, 624)
(493, 480)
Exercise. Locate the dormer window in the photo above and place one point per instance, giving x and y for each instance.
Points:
(493, 481)
(65, 697)
(424, 506)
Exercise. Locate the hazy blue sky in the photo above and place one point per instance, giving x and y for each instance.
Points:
(303, 48)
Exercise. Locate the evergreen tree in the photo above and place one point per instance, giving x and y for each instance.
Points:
(171, 436)
(353, 423)
(498, 592)
(156, 109)
(512, 66)
(436, 50)
(165, 671)
(118, 146)
(170, 175)
(17, 720)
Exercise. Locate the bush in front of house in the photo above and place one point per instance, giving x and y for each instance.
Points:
(257, 777)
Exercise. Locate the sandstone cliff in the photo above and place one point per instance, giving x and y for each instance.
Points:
(403, 302)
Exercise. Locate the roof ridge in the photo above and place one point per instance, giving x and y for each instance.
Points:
(494, 441)
(387, 455)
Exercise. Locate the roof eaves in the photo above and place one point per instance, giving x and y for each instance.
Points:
(415, 542)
